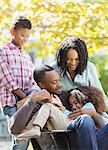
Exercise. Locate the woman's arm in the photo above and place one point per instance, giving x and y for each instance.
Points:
(19, 93)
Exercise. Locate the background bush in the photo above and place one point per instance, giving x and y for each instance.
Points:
(101, 63)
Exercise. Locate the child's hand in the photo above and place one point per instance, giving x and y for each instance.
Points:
(75, 114)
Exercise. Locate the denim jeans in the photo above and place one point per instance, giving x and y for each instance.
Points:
(85, 131)
(16, 144)
(102, 138)
(87, 136)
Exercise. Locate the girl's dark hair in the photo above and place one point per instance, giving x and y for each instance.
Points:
(21, 22)
(74, 43)
(93, 95)
(39, 73)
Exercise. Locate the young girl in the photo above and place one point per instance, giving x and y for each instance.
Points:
(89, 100)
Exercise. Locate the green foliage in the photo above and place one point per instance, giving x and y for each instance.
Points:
(53, 20)
(101, 63)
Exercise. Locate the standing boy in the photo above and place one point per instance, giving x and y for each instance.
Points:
(16, 67)
(16, 73)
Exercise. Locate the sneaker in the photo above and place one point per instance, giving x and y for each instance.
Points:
(33, 132)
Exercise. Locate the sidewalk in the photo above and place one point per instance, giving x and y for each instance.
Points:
(6, 145)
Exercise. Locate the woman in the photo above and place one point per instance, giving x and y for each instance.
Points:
(75, 69)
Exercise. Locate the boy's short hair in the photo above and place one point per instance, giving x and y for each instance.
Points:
(39, 73)
(21, 22)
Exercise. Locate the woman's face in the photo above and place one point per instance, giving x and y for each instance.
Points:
(72, 59)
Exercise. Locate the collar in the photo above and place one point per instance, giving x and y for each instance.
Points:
(12, 46)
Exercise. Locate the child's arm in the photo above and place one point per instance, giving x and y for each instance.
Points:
(74, 115)
(19, 93)
(88, 109)
(22, 95)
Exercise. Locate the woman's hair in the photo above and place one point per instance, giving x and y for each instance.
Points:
(74, 43)
(90, 94)
(21, 22)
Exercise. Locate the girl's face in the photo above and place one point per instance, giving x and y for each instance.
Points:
(74, 104)
(72, 59)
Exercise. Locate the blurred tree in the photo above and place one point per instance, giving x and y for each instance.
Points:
(55, 19)
(100, 60)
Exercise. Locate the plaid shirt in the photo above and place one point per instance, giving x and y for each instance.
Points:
(16, 71)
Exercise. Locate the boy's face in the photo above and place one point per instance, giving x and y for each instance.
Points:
(20, 36)
(51, 82)
(74, 104)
